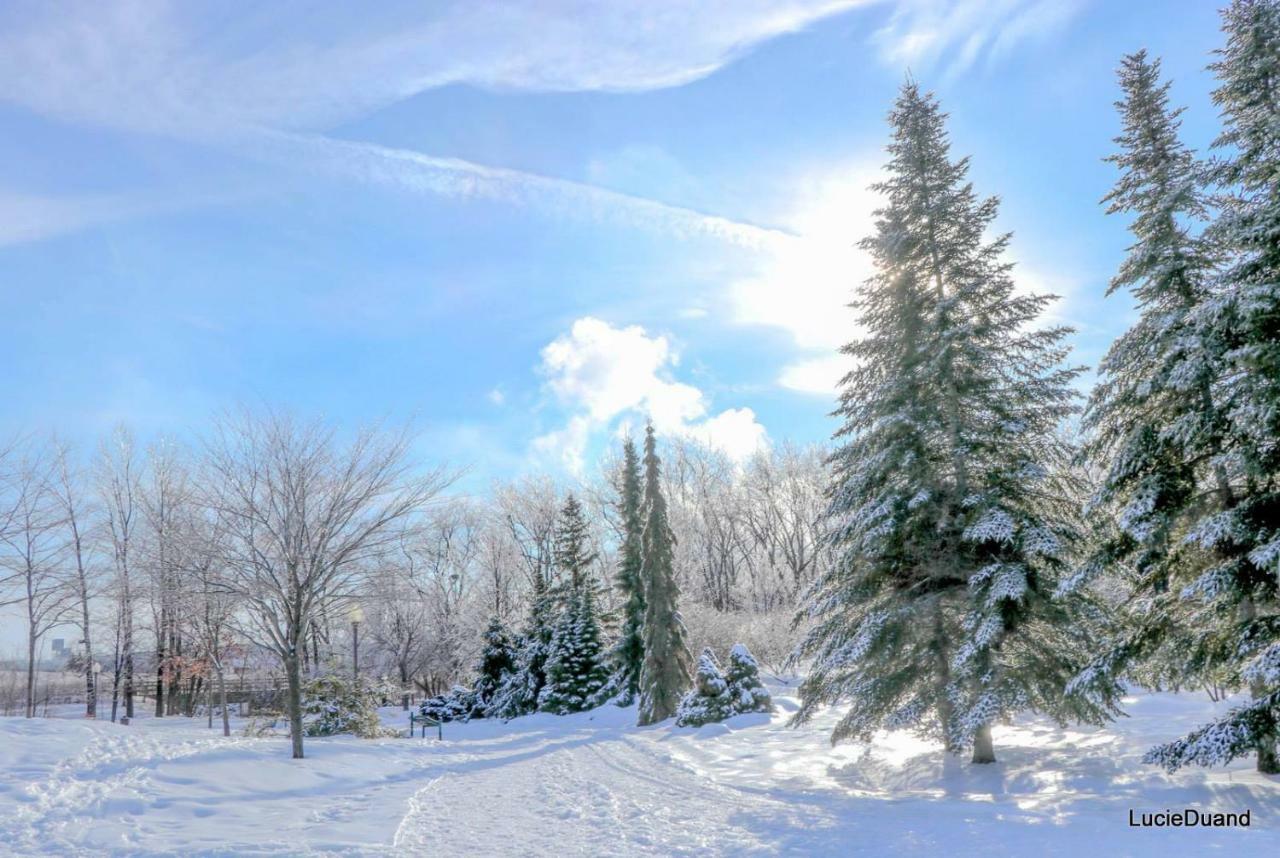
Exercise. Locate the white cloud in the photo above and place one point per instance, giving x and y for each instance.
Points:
(734, 430)
(259, 82)
(566, 446)
(818, 375)
(805, 284)
(497, 397)
(601, 373)
(262, 82)
(808, 278)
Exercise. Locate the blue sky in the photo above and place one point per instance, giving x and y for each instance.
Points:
(522, 225)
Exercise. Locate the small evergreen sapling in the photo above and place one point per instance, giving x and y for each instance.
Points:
(743, 676)
(497, 662)
(497, 659)
(333, 704)
(709, 700)
(719, 693)
(517, 694)
(576, 668)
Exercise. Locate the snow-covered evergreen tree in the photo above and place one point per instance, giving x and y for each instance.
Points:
(709, 700)
(573, 554)
(497, 659)
(720, 693)
(628, 652)
(497, 663)
(1151, 423)
(1235, 599)
(947, 513)
(332, 704)
(518, 693)
(577, 667)
(743, 676)
(664, 675)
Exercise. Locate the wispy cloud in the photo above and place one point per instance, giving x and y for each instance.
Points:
(197, 68)
(32, 217)
(417, 172)
(268, 82)
(956, 34)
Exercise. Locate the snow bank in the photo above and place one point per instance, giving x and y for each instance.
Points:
(594, 784)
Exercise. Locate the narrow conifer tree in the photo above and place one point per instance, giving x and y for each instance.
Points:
(628, 653)
(948, 511)
(1151, 424)
(1236, 601)
(665, 673)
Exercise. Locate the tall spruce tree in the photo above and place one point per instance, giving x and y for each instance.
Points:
(665, 673)
(1235, 598)
(628, 652)
(1151, 424)
(948, 509)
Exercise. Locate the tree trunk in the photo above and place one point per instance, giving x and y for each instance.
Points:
(222, 693)
(128, 683)
(943, 678)
(90, 679)
(31, 675)
(115, 678)
(160, 665)
(983, 750)
(293, 672)
(1268, 761)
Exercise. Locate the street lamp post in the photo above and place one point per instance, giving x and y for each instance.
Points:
(356, 616)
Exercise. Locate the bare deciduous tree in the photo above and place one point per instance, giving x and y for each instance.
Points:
(307, 518)
(33, 547)
(78, 517)
(118, 487)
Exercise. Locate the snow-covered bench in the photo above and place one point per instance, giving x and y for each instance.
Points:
(416, 718)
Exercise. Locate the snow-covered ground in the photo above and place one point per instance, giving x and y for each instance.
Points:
(594, 784)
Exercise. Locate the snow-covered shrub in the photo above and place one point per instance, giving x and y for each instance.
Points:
(261, 727)
(718, 694)
(497, 663)
(460, 704)
(769, 635)
(333, 704)
(743, 676)
(710, 699)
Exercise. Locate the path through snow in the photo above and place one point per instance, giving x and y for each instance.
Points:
(593, 784)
